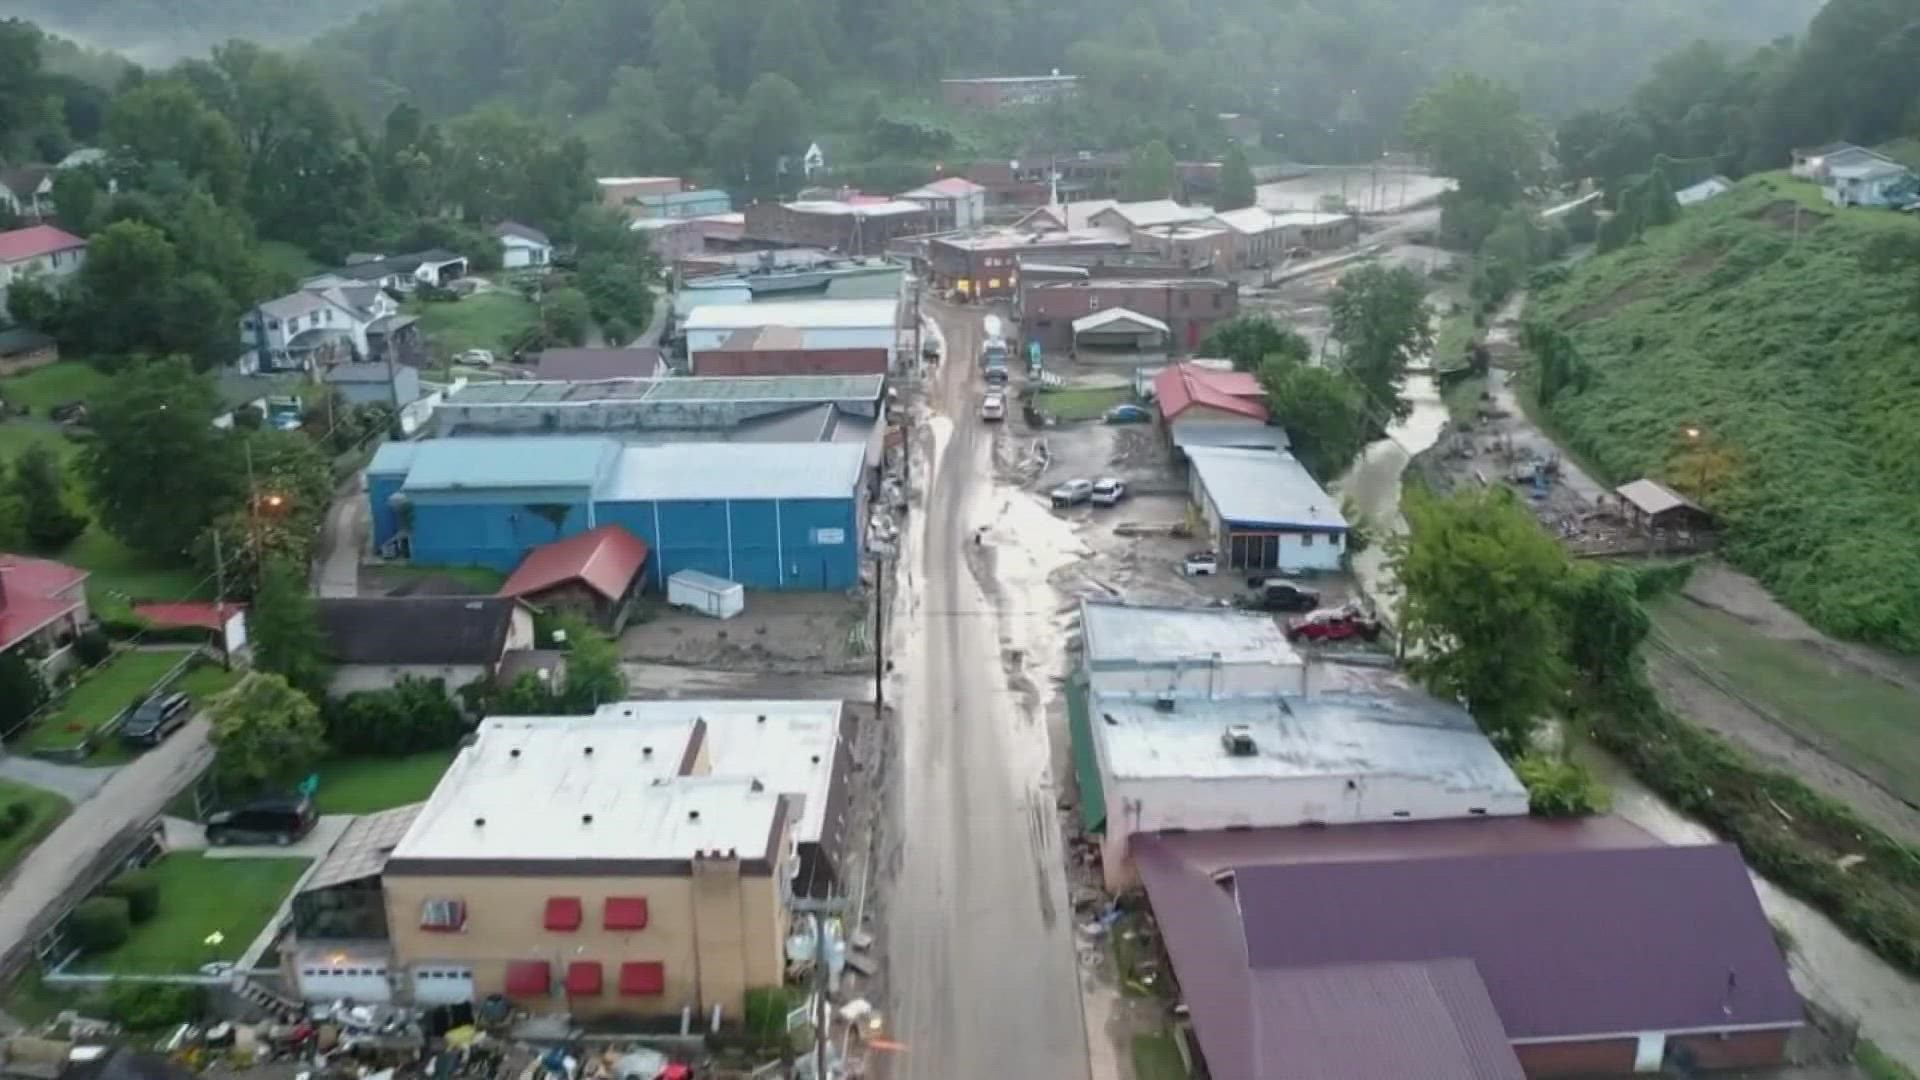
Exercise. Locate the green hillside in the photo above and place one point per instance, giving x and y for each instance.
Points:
(1777, 327)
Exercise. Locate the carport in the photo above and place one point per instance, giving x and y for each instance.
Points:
(1120, 328)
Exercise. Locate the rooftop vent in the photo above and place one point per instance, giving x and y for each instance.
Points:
(693, 815)
(589, 751)
(1238, 739)
(586, 819)
(479, 821)
(762, 718)
(515, 752)
(646, 751)
(757, 786)
(1164, 702)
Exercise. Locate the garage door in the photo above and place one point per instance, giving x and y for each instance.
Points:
(363, 982)
(442, 985)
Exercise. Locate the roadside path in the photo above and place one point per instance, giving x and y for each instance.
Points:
(75, 783)
(336, 566)
(134, 793)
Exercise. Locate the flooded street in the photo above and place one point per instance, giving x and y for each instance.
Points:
(1366, 189)
(1374, 484)
(1828, 967)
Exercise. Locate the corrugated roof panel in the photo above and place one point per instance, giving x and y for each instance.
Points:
(689, 471)
(1254, 487)
(536, 461)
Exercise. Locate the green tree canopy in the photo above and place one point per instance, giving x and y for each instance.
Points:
(157, 468)
(162, 122)
(1237, 190)
(1151, 173)
(266, 735)
(1475, 130)
(1322, 412)
(1481, 607)
(1248, 340)
(47, 512)
(1381, 321)
(285, 630)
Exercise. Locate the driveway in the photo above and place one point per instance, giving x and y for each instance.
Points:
(133, 794)
(336, 566)
(75, 783)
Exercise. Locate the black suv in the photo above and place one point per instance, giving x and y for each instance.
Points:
(263, 821)
(1283, 596)
(156, 718)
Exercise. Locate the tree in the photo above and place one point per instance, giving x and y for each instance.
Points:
(285, 629)
(125, 283)
(1151, 173)
(1237, 189)
(1249, 340)
(157, 468)
(1605, 623)
(162, 121)
(50, 521)
(683, 63)
(615, 290)
(1475, 130)
(266, 734)
(76, 200)
(1322, 412)
(1380, 319)
(22, 692)
(568, 314)
(1481, 607)
(593, 667)
(789, 45)
(648, 141)
(764, 134)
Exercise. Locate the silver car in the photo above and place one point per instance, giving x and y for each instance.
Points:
(1072, 493)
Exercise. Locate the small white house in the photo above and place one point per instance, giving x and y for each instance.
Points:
(317, 325)
(522, 246)
(1711, 188)
(955, 202)
(1264, 512)
(1869, 182)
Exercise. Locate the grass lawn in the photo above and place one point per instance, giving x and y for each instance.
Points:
(56, 384)
(1084, 403)
(289, 259)
(16, 436)
(363, 785)
(203, 683)
(47, 809)
(1865, 721)
(98, 698)
(1877, 1064)
(1157, 1057)
(483, 580)
(122, 575)
(199, 896)
(485, 321)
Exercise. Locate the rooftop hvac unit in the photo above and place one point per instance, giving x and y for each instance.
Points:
(1238, 739)
(1164, 702)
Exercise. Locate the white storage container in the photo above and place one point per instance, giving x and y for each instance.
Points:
(706, 594)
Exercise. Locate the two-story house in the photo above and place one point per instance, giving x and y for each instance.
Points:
(318, 325)
(41, 252)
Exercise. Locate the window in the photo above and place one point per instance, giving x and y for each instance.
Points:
(1306, 540)
(1216, 301)
(443, 915)
(563, 913)
(644, 979)
(583, 978)
(626, 913)
(528, 978)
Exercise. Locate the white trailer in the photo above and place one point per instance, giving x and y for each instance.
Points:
(706, 594)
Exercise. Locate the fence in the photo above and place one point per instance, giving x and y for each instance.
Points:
(106, 727)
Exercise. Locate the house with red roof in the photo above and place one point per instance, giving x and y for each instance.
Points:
(596, 574)
(43, 605)
(38, 251)
(1204, 405)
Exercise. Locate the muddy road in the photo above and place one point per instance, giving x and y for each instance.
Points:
(982, 974)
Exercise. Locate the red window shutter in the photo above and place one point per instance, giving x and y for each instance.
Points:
(644, 979)
(528, 978)
(583, 978)
(563, 913)
(626, 913)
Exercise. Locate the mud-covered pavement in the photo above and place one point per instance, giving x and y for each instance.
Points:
(981, 971)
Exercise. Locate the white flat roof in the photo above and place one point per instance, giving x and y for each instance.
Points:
(1329, 735)
(871, 209)
(634, 767)
(801, 315)
(1261, 488)
(1127, 636)
(681, 471)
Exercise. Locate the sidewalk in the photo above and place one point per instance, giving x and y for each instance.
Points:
(133, 794)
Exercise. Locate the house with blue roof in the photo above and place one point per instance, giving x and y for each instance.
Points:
(770, 516)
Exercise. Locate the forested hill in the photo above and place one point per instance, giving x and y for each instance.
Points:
(161, 31)
(1784, 331)
(1333, 76)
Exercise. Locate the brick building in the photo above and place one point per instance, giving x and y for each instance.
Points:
(1190, 307)
(1193, 247)
(787, 350)
(985, 265)
(850, 228)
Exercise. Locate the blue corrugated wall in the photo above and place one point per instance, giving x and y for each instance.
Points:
(803, 552)
(380, 490)
(494, 534)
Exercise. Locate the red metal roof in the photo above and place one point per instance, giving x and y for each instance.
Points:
(206, 616)
(607, 559)
(1181, 386)
(584, 978)
(626, 913)
(30, 595)
(563, 913)
(35, 241)
(528, 978)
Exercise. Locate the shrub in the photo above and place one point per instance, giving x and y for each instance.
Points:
(413, 715)
(1557, 787)
(100, 923)
(141, 892)
(155, 1006)
(14, 818)
(92, 647)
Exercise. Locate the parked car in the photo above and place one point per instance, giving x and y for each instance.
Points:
(1072, 493)
(1108, 492)
(993, 406)
(475, 358)
(1271, 577)
(155, 718)
(1128, 414)
(1344, 623)
(997, 375)
(279, 820)
(1283, 596)
(1200, 564)
(931, 350)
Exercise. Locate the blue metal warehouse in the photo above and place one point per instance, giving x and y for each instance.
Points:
(770, 516)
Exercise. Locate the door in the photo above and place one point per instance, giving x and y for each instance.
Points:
(355, 980)
(435, 984)
(1649, 1052)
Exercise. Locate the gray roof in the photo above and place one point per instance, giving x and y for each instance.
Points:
(1653, 497)
(576, 364)
(683, 390)
(1126, 635)
(529, 461)
(524, 232)
(403, 630)
(1228, 434)
(362, 850)
(692, 471)
(295, 304)
(1254, 487)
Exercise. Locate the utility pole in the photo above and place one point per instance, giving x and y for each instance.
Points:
(879, 639)
(818, 910)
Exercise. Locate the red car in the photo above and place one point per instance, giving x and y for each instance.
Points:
(1343, 623)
